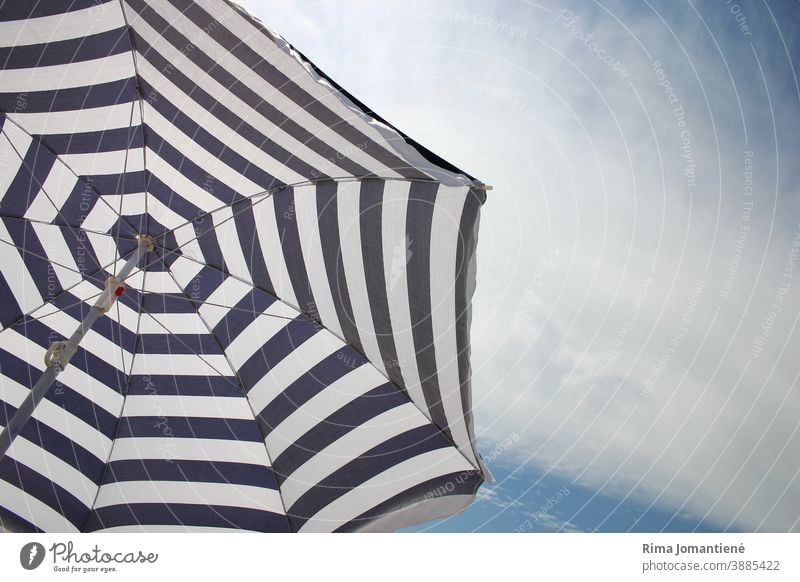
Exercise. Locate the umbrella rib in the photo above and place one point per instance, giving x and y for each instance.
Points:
(185, 297)
(78, 228)
(66, 165)
(239, 382)
(121, 181)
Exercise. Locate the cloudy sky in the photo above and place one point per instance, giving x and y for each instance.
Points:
(635, 331)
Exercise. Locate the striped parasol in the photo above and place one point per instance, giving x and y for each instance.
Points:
(231, 296)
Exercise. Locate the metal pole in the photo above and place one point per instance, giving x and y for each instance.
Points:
(59, 353)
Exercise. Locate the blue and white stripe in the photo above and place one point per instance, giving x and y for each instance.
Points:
(294, 354)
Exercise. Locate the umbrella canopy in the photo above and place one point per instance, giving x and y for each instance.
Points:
(281, 283)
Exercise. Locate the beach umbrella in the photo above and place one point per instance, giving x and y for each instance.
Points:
(231, 295)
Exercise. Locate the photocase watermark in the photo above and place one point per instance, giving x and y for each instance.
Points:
(744, 226)
(784, 287)
(741, 20)
(677, 336)
(678, 112)
(401, 255)
(539, 516)
(473, 19)
(509, 99)
(627, 326)
(166, 448)
(570, 20)
(545, 264)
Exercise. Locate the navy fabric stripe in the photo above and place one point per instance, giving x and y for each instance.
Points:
(22, 10)
(181, 206)
(190, 471)
(10, 310)
(36, 164)
(30, 249)
(177, 344)
(43, 488)
(389, 453)
(15, 524)
(350, 416)
(328, 218)
(273, 351)
(188, 515)
(286, 220)
(419, 218)
(212, 256)
(308, 385)
(72, 99)
(222, 113)
(262, 67)
(463, 483)
(233, 84)
(166, 303)
(371, 222)
(245, 222)
(87, 48)
(232, 429)
(107, 140)
(241, 316)
(169, 385)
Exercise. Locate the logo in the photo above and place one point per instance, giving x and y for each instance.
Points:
(31, 555)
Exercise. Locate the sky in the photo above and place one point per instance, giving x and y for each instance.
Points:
(635, 326)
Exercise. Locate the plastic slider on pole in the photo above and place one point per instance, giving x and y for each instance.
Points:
(59, 354)
(114, 288)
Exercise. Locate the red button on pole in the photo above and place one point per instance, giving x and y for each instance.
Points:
(120, 290)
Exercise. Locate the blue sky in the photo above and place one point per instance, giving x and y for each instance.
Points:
(635, 329)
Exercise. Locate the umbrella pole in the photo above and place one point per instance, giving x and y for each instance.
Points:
(59, 353)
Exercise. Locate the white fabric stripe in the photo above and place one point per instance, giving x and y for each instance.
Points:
(340, 393)
(192, 449)
(31, 509)
(180, 364)
(193, 151)
(210, 123)
(223, 494)
(187, 406)
(78, 74)
(186, 238)
(259, 332)
(348, 197)
(13, 143)
(80, 120)
(48, 29)
(395, 206)
(384, 486)
(267, 228)
(298, 362)
(187, 274)
(57, 247)
(230, 292)
(232, 102)
(53, 194)
(228, 237)
(242, 72)
(305, 204)
(48, 465)
(16, 274)
(356, 442)
(444, 236)
(105, 163)
(59, 419)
